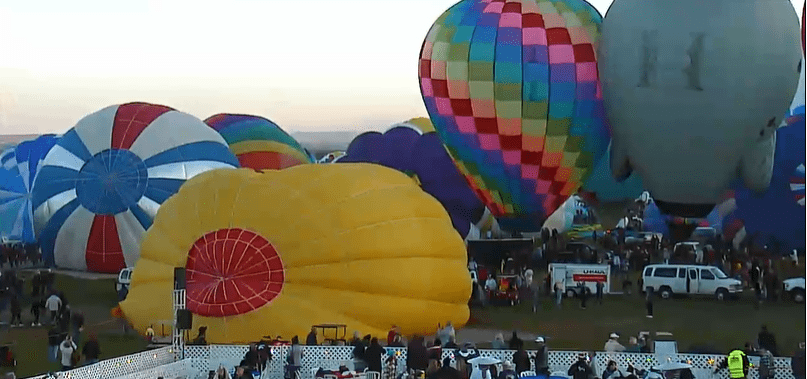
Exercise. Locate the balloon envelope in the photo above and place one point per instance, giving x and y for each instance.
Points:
(693, 92)
(778, 215)
(259, 143)
(284, 246)
(513, 92)
(16, 187)
(423, 157)
(101, 185)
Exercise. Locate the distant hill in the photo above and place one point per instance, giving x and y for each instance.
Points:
(9, 140)
(321, 143)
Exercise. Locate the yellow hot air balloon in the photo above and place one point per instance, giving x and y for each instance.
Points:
(280, 251)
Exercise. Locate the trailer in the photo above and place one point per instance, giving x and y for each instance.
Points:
(572, 276)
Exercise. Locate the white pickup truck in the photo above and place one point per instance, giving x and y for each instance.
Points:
(794, 287)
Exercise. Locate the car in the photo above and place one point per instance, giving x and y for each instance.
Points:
(795, 288)
(124, 279)
(671, 279)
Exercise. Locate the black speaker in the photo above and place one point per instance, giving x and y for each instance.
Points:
(179, 278)
(184, 319)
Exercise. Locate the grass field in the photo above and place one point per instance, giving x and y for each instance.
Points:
(692, 321)
(94, 298)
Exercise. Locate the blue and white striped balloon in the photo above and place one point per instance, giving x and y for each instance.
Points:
(101, 185)
(16, 187)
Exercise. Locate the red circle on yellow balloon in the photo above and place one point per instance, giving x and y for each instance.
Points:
(232, 271)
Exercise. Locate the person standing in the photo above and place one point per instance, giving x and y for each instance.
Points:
(54, 339)
(91, 350)
(737, 363)
(53, 304)
(767, 340)
(67, 349)
(583, 295)
(600, 289)
(766, 368)
(541, 358)
(373, 356)
(649, 301)
(16, 311)
(558, 293)
(797, 362)
(37, 305)
(581, 368)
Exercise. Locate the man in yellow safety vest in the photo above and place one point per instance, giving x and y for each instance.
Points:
(737, 363)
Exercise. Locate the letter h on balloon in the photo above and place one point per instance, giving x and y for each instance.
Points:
(650, 60)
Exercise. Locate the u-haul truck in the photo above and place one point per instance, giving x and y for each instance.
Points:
(571, 276)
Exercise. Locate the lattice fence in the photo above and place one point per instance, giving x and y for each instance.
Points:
(181, 369)
(200, 359)
(120, 366)
(331, 357)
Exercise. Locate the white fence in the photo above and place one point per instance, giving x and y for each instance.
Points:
(120, 366)
(205, 358)
(201, 359)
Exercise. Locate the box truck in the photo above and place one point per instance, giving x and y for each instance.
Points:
(571, 276)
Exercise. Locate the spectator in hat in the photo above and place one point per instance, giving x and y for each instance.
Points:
(613, 345)
(581, 368)
(508, 371)
(541, 359)
(242, 373)
(201, 338)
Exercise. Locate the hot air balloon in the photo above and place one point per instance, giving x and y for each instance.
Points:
(284, 246)
(694, 92)
(16, 214)
(422, 124)
(422, 156)
(101, 185)
(259, 143)
(512, 90)
(777, 216)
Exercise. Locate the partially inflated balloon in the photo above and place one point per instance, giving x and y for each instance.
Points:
(777, 216)
(422, 156)
(308, 245)
(512, 90)
(101, 185)
(694, 92)
(16, 213)
(259, 143)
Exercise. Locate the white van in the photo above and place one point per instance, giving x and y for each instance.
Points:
(669, 279)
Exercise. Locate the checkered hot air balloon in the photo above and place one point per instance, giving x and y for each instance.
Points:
(797, 184)
(259, 143)
(101, 185)
(512, 89)
(16, 186)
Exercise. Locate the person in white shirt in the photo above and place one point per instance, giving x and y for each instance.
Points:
(613, 344)
(53, 304)
(490, 284)
(481, 372)
(67, 348)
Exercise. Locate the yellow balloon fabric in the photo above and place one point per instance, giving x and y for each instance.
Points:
(274, 253)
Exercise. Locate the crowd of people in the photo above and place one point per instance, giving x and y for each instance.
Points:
(50, 308)
(17, 254)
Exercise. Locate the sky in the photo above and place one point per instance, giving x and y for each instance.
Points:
(316, 65)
